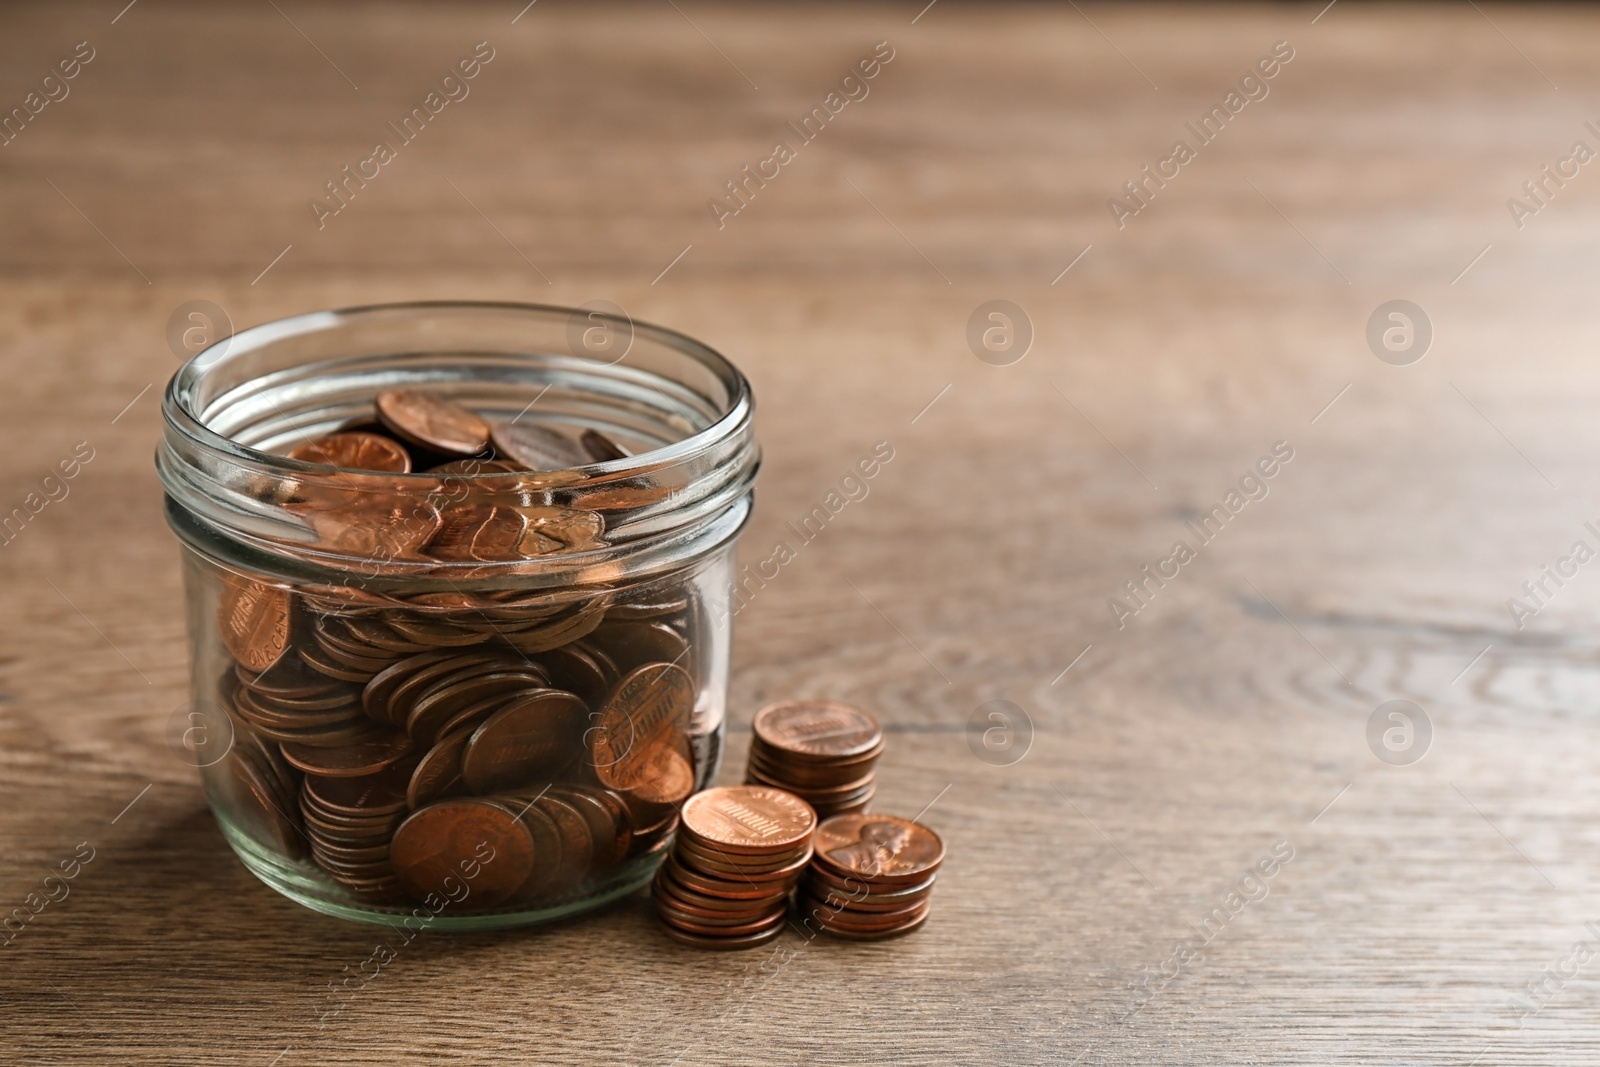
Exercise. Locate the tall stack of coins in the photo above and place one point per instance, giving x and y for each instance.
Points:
(822, 751)
(871, 877)
(739, 852)
(516, 744)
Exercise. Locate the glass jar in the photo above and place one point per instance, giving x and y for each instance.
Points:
(412, 712)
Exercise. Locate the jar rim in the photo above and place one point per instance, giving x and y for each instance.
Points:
(676, 383)
(181, 418)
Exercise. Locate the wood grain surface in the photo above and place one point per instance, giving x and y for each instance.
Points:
(1431, 913)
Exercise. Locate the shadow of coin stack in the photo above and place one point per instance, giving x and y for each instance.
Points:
(822, 751)
(739, 852)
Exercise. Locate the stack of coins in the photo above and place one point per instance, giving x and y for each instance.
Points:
(822, 751)
(739, 853)
(871, 877)
(349, 822)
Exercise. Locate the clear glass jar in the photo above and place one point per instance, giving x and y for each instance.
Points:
(471, 730)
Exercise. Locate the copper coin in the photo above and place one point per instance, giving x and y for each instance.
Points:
(374, 794)
(878, 848)
(817, 729)
(484, 533)
(442, 701)
(253, 620)
(471, 842)
(262, 812)
(726, 866)
(349, 761)
(735, 866)
(837, 901)
(849, 926)
(732, 922)
(536, 447)
(729, 888)
(558, 529)
(726, 944)
(375, 526)
(730, 911)
(749, 819)
(666, 776)
(853, 888)
(577, 844)
(556, 632)
(432, 421)
(649, 604)
(693, 900)
(572, 668)
(710, 929)
(622, 496)
(546, 845)
(608, 828)
(646, 715)
(601, 448)
(828, 794)
(438, 773)
(356, 451)
(390, 695)
(533, 737)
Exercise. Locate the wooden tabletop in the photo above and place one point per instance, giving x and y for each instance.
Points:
(1199, 856)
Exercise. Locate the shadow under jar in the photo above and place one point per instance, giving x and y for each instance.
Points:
(470, 649)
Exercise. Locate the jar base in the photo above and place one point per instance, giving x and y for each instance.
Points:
(305, 884)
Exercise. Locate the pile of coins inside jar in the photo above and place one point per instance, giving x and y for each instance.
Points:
(742, 851)
(520, 745)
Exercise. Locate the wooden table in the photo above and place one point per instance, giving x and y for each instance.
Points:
(1084, 915)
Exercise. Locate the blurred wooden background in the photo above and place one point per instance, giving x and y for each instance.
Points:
(1227, 717)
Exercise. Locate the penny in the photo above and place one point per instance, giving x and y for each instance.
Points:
(437, 847)
(438, 773)
(376, 527)
(879, 848)
(724, 943)
(834, 900)
(375, 794)
(748, 819)
(536, 447)
(573, 669)
(646, 715)
(856, 889)
(349, 761)
(727, 866)
(819, 729)
(262, 811)
(471, 468)
(692, 899)
(534, 736)
(577, 845)
(688, 925)
(253, 620)
(608, 832)
(479, 532)
(601, 448)
(729, 888)
(620, 497)
(649, 604)
(877, 935)
(547, 845)
(432, 421)
(666, 776)
(435, 707)
(557, 529)
(356, 451)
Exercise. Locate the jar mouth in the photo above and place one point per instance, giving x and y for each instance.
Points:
(684, 410)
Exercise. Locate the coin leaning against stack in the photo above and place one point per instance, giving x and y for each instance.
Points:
(871, 876)
(739, 852)
(822, 751)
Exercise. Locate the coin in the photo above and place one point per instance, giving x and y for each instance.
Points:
(438, 773)
(642, 724)
(750, 820)
(608, 830)
(253, 620)
(817, 729)
(437, 846)
(375, 794)
(357, 451)
(435, 707)
(633, 643)
(432, 421)
(536, 447)
(728, 943)
(352, 760)
(577, 844)
(878, 848)
(534, 736)
(601, 448)
(877, 935)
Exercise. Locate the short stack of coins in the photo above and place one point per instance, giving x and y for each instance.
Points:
(822, 751)
(871, 876)
(740, 851)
